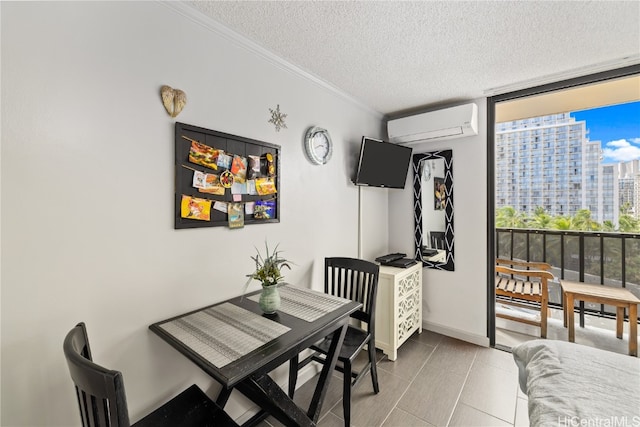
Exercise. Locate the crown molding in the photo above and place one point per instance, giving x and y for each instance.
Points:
(251, 46)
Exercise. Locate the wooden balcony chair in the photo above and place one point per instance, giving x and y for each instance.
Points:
(103, 403)
(357, 280)
(521, 281)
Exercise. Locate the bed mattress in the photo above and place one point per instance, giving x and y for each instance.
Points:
(571, 384)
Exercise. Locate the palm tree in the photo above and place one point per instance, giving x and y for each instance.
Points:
(541, 219)
(508, 217)
(582, 221)
(628, 224)
(562, 223)
(625, 208)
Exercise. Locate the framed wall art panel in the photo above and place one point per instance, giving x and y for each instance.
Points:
(224, 180)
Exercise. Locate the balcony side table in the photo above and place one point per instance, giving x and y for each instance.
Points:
(619, 297)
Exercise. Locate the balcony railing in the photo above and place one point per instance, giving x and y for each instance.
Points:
(608, 259)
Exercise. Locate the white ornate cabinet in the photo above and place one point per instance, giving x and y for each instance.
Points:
(398, 307)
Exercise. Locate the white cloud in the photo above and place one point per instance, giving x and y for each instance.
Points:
(618, 143)
(621, 150)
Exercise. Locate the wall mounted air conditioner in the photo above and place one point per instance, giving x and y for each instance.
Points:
(448, 123)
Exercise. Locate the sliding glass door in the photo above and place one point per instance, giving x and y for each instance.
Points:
(550, 173)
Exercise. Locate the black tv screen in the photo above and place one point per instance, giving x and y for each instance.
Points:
(382, 164)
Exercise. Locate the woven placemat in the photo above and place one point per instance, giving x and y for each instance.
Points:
(224, 333)
(305, 304)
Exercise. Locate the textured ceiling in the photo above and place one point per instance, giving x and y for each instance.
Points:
(397, 56)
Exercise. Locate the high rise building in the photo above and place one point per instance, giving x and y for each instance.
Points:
(636, 190)
(550, 162)
(629, 183)
(608, 200)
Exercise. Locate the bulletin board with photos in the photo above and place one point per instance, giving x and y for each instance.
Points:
(224, 180)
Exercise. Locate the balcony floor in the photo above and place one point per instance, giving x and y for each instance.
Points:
(598, 332)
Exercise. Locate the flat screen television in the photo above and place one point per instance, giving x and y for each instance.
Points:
(382, 164)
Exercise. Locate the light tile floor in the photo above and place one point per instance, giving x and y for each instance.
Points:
(436, 381)
(441, 381)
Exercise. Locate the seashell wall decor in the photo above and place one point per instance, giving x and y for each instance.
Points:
(173, 100)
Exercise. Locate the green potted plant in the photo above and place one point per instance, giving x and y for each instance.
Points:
(268, 273)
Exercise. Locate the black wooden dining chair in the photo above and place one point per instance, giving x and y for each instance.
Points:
(437, 239)
(103, 403)
(357, 280)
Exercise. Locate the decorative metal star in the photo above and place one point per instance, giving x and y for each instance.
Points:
(277, 118)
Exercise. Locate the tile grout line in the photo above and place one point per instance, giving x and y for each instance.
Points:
(464, 383)
(513, 423)
(395, 406)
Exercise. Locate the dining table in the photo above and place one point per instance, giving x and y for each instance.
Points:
(238, 345)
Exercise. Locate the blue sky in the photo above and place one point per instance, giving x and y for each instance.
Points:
(618, 129)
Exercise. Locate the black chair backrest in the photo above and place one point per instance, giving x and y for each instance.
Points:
(354, 279)
(437, 239)
(100, 391)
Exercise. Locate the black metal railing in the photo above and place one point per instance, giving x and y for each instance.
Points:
(608, 259)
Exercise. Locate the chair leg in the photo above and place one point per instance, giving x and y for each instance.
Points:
(346, 391)
(374, 369)
(293, 375)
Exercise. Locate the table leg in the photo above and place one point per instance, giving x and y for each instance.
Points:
(293, 374)
(223, 396)
(327, 371)
(619, 320)
(268, 395)
(565, 308)
(633, 329)
(570, 319)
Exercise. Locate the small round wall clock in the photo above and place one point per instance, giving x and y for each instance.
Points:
(318, 145)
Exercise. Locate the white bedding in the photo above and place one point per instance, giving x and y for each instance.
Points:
(571, 384)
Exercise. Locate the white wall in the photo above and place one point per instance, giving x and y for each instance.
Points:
(454, 303)
(87, 192)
